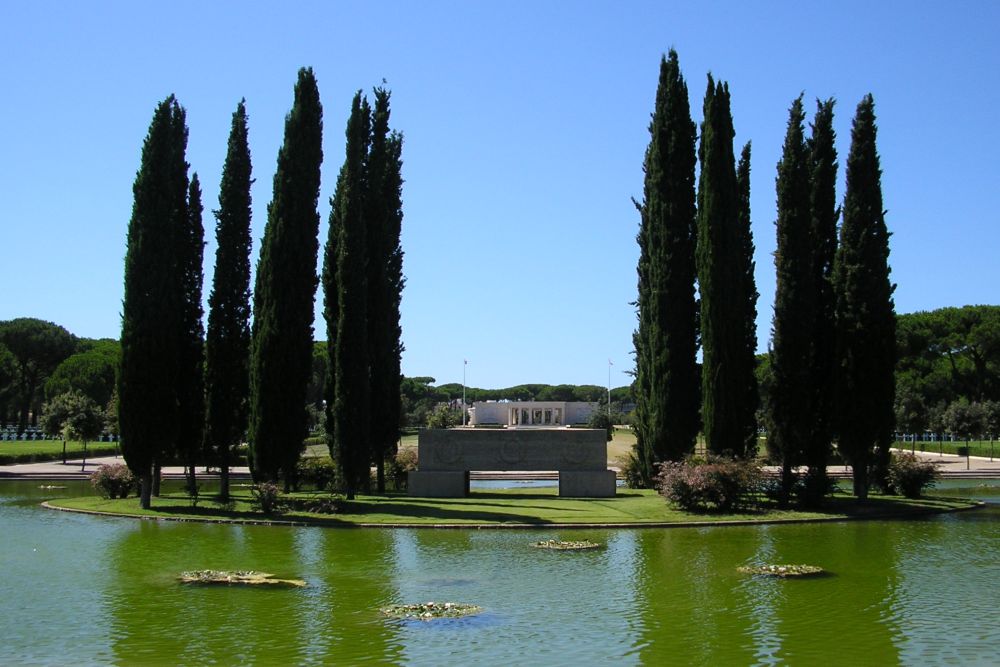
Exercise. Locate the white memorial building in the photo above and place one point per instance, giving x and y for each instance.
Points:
(531, 414)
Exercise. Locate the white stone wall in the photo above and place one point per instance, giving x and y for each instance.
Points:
(498, 412)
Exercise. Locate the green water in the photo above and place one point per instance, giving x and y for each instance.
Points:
(87, 590)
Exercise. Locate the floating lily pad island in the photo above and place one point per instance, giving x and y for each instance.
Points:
(783, 571)
(428, 611)
(558, 545)
(236, 578)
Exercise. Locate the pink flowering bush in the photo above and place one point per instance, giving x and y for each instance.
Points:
(715, 483)
(113, 480)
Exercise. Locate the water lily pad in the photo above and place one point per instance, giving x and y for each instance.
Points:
(558, 545)
(783, 571)
(236, 578)
(428, 611)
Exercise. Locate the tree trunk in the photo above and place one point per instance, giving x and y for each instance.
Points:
(860, 473)
(380, 476)
(83, 466)
(787, 481)
(190, 480)
(145, 489)
(224, 482)
(155, 487)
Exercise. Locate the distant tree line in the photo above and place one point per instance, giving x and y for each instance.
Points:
(832, 352)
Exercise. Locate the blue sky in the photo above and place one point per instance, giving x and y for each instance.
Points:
(525, 125)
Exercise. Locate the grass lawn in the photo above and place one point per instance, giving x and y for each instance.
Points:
(28, 451)
(535, 506)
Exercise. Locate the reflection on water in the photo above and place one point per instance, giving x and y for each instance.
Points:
(104, 591)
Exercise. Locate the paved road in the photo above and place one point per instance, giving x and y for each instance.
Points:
(950, 466)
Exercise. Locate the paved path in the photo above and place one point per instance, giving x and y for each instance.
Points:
(73, 469)
(951, 466)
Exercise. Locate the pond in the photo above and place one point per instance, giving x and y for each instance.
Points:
(91, 590)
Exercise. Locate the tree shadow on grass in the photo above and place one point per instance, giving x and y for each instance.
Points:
(429, 510)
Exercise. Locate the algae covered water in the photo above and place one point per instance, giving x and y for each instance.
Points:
(90, 590)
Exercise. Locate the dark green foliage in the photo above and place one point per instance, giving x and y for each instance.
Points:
(281, 340)
(351, 405)
(36, 348)
(227, 348)
(865, 321)
(383, 221)
(824, 211)
(909, 475)
(91, 373)
(791, 409)
(74, 417)
(666, 340)
(727, 365)
(747, 355)
(945, 355)
(147, 382)
(191, 336)
(600, 419)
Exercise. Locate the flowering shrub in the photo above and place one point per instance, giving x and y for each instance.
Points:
(718, 483)
(266, 497)
(909, 475)
(113, 480)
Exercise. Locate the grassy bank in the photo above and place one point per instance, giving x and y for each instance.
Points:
(34, 451)
(535, 506)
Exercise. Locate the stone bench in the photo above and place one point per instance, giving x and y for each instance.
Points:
(446, 456)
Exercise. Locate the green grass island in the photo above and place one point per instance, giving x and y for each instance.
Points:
(505, 508)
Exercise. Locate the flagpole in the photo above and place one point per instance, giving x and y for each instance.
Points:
(609, 388)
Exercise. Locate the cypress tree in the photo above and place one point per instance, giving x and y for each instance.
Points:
(284, 292)
(383, 220)
(191, 335)
(722, 279)
(748, 299)
(666, 340)
(824, 212)
(791, 409)
(865, 318)
(350, 412)
(227, 348)
(147, 382)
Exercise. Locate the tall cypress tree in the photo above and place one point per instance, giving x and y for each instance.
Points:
(284, 292)
(748, 299)
(791, 409)
(666, 340)
(823, 228)
(147, 389)
(865, 318)
(383, 220)
(722, 279)
(351, 406)
(227, 348)
(191, 333)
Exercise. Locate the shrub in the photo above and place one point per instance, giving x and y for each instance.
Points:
(401, 466)
(266, 497)
(320, 472)
(718, 483)
(909, 475)
(113, 480)
(631, 471)
(332, 504)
